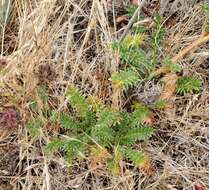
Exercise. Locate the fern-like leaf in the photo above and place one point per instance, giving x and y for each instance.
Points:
(173, 67)
(103, 131)
(74, 149)
(78, 101)
(34, 127)
(139, 114)
(114, 163)
(89, 121)
(102, 135)
(188, 85)
(68, 123)
(132, 55)
(136, 156)
(125, 79)
(133, 135)
(54, 145)
(108, 117)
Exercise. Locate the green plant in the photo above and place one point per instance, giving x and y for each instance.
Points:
(205, 8)
(42, 93)
(78, 101)
(173, 67)
(160, 104)
(114, 162)
(137, 157)
(35, 126)
(133, 41)
(188, 85)
(131, 10)
(139, 65)
(102, 127)
(158, 33)
(132, 56)
(125, 79)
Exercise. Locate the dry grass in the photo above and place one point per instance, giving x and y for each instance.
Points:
(58, 43)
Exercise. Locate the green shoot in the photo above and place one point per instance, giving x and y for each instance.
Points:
(159, 34)
(188, 85)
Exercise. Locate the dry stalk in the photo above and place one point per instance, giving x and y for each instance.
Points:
(201, 40)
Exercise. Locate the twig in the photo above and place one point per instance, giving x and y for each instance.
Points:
(132, 20)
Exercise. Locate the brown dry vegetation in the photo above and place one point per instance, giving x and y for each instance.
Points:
(59, 43)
